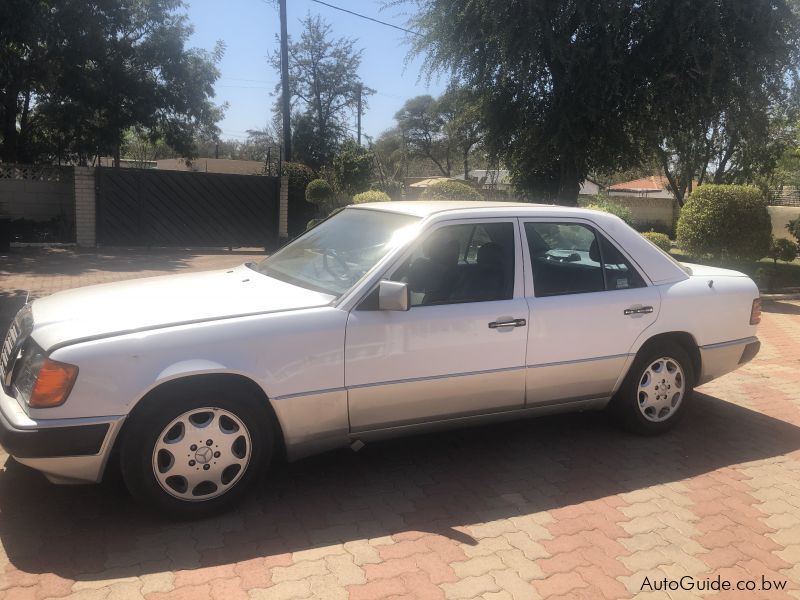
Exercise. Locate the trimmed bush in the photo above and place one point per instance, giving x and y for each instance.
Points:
(782, 249)
(448, 189)
(371, 196)
(319, 192)
(659, 239)
(793, 227)
(299, 176)
(618, 210)
(725, 222)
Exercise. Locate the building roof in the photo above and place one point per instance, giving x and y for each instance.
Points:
(653, 183)
(213, 165)
(424, 183)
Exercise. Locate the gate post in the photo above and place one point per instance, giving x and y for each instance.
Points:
(283, 213)
(85, 207)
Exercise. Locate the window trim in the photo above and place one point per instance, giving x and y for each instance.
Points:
(530, 291)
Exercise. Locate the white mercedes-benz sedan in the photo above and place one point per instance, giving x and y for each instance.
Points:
(382, 320)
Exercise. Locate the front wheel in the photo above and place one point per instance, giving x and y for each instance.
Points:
(195, 456)
(655, 392)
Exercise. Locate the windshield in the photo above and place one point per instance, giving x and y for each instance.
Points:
(333, 256)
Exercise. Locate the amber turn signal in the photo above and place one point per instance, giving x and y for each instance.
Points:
(53, 385)
(755, 312)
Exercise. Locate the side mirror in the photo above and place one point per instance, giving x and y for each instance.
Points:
(393, 295)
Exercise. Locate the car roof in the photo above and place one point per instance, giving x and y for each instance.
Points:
(659, 267)
(425, 208)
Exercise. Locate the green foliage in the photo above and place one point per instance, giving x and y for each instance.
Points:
(569, 88)
(794, 228)
(319, 192)
(659, 239)
(324, 87)
(725, 222)
(390, 187)
(371, 196)
(313, 223)
(782, 249)
(604, 204)
(447, 189)
(75, 75)
(352, 168)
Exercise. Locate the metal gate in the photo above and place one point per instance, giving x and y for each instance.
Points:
(147, 207)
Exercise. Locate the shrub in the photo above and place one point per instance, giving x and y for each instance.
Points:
(659, 239)
(319, 192)
(605, 205)
(449, 189)
(299, 176)
(352, 168)
(391, 187)
(782, 249)
(371, 196)
(725, 222)
(313, 223)
(794, 228)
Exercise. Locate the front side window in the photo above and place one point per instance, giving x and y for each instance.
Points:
(333, 256)
(461, 263)
(570, 258)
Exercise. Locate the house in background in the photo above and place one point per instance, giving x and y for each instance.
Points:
(652, 204)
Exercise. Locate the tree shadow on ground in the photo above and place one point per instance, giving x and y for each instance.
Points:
(435, 483)
(781, 308)
(71, 261)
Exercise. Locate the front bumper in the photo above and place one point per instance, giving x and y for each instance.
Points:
(65, 450)
(718, 359)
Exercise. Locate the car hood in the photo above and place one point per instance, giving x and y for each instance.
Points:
(140, 304)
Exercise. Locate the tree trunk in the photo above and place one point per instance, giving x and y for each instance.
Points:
(117, 155)
(466, 165)
(568, 184)
(9, 149)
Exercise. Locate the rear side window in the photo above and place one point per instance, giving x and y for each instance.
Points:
(571, 258)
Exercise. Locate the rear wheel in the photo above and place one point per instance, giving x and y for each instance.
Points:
(194, 456)
(654, 394)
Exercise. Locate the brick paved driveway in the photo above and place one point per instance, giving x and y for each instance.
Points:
(562, 506)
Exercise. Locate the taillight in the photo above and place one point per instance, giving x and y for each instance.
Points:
(755, 312)
(53, 384)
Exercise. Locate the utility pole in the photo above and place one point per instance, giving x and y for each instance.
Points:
(358, 103)
(285, 101)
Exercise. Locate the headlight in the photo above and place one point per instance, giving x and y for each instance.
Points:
(43, 382)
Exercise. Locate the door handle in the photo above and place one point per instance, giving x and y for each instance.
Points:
(509, 323)
(639, 310)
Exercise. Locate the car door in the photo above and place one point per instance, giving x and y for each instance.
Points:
(588, 305)
(460, 348)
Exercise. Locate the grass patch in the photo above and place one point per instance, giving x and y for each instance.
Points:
(761, 271)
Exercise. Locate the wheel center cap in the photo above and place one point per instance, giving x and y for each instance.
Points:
(203, 455)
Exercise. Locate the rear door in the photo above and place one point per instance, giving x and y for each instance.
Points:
(588, 305)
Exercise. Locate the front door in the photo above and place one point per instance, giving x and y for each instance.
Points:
(460, 349)
(588, 305)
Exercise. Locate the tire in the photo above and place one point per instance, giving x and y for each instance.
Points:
(166, 459)
(642, 404)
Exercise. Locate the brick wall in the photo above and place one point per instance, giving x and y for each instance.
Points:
(283, 217)
(85, 217)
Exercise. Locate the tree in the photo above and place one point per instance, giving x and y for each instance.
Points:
(570, 88)
(460, 113)
(352, 168)
(734, 61)
(77, 75)
(421, 125)
(325, 85)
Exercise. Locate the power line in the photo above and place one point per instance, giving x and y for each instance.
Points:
(365, 17)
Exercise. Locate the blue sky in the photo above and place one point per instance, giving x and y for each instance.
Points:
(248, 28)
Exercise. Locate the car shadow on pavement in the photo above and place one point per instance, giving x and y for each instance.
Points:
(439, 483)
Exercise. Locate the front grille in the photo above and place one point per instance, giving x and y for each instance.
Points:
(18, 333)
